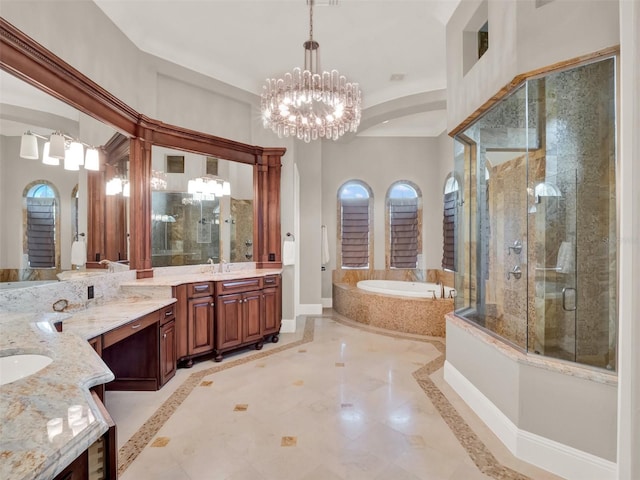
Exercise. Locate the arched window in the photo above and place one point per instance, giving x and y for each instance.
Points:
(404, 214)
(41, 202)
(354, 203)
(451, 189)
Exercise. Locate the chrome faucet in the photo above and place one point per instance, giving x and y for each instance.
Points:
(223, 266)
(211, 265)
(109, 264)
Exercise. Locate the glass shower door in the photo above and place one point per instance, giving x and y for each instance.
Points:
(552, 231)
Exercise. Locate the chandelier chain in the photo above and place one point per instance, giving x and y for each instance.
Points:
(311, 21)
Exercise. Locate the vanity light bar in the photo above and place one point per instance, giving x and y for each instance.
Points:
(60, 147)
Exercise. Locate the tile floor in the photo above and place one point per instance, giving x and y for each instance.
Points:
(335, 400)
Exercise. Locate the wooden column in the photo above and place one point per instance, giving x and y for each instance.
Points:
(266, 209)
(140, 205)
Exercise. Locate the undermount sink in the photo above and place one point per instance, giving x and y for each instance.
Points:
(16, 367)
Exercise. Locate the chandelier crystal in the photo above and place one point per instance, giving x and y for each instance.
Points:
(307, 104)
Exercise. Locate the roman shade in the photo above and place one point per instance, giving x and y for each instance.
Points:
(403, 221)
(355, 232)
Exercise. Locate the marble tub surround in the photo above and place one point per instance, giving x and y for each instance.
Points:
(28, 449)
(352, 277)
(423, 316)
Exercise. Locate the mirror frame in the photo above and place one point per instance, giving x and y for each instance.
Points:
(26, 59)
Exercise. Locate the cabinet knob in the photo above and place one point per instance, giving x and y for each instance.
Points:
(164, 336)
(212, 304)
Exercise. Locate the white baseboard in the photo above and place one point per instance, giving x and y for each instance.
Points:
(309, 309)
(327, 302)
(288, 325)
(550, 455)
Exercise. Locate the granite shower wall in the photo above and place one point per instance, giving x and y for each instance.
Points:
(579, 135)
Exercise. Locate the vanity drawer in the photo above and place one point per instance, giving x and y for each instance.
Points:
(271, 281)
(167, 314)
(131, 328)
(201, 289)
(238, 285)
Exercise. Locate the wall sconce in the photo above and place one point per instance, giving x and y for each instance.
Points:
(60, 147)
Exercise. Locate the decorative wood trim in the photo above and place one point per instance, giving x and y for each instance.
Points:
(171, 136)
(521, 78)
(27, 59)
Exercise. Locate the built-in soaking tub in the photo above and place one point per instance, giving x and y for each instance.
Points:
(407, 289)
(411, 307)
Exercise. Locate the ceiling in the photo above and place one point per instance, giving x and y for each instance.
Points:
(242, 42)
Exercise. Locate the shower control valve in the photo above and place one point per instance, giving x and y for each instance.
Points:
(516, 247)
(516, 271)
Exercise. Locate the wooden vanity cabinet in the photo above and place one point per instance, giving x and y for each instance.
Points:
(248, 311)
(272, 305)
(238, 314)
(194, 320)
(168, 357)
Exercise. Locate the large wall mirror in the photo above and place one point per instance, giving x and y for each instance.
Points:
(133, 150)
(44, 202)
(201, 209)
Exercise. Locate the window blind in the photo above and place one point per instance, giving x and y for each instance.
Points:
(355, 233)
(403, 220)
(41, 247)
(448, 231)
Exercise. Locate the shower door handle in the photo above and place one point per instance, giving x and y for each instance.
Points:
(574, 305)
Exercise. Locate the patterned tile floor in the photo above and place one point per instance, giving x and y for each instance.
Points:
(336, 400)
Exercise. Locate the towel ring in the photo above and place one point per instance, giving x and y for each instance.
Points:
(289, 234)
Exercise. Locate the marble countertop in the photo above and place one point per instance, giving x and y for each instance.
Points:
(97, 320)
(30, 448)
(204, 276)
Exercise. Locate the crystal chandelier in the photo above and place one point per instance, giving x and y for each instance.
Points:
(307, 104)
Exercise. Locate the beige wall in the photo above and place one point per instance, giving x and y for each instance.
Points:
(521, 38)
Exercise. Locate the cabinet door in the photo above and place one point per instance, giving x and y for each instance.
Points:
(200, 325)
(252, 317)
(271, 311)
(167, 351)
(229, 321)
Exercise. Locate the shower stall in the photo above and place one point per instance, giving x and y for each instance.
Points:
(535, 221)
